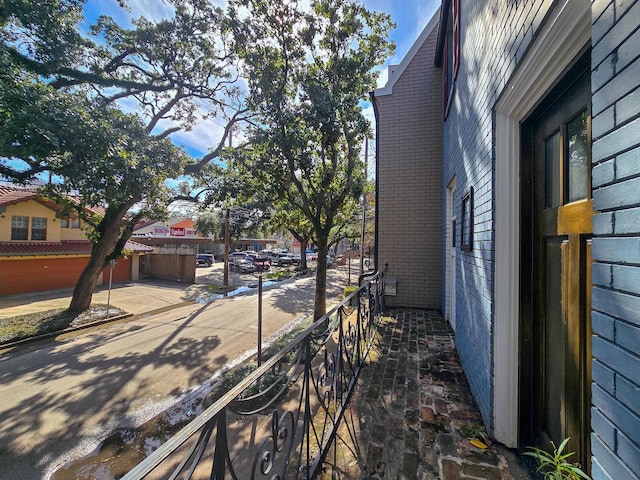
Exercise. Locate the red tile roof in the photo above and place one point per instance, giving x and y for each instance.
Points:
(186, 223)
(78, 247)
(144, 223)
(11, 195)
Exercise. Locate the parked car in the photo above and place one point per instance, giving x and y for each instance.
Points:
(261, 262)
(295, 258)
(236, 256)
(204, 260)
(242, 266)
(280, 259)
(312, 256)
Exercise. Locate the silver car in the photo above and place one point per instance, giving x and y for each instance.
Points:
(242, 266)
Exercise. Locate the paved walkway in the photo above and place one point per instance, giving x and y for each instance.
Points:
(405, 417)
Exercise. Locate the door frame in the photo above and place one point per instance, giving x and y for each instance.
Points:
(450, 252)
(565, 33)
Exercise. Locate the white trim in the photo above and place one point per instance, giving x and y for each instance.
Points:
(394, 72)
(561, 39)
(450, 253)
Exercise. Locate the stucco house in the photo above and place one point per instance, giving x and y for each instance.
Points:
(42, 250)
(536, 265)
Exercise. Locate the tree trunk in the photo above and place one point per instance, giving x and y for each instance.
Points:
(83, 291)
(303, 254)
(111, 232)
(320, 304)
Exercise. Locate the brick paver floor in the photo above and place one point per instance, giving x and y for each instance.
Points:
(410, 408)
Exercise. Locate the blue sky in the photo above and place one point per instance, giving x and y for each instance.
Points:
(410, 17)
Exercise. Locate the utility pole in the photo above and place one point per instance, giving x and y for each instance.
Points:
(226, 248)
(227, 232)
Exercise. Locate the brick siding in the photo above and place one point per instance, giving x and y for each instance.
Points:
(409, 143)
(616, 244)
(494, 38)
(26, 275)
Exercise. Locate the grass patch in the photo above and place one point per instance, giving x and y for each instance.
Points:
(279, 275)
(349, 290)
(56, 320)
(222, 289)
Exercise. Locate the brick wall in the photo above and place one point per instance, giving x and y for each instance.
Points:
(409, 143)
(616, 244)
(26, 275)
(495, 36)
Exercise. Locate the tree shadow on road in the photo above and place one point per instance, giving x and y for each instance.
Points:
(68, 403)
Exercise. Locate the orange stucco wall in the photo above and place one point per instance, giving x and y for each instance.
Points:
(31, 209)
(39, 274)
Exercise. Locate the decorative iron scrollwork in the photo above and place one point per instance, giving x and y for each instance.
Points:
(308, 380)
(280, 438)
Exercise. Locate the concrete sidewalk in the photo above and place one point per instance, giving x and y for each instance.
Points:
(133, 297)
(139, 297)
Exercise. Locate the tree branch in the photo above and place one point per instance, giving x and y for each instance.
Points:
(196, 167)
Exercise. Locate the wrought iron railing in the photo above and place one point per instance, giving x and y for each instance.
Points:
(280, 421)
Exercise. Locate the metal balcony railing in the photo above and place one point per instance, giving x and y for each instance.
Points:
(280, 421)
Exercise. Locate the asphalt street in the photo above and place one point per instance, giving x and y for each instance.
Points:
(60, 398)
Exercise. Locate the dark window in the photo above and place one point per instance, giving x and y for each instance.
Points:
(552, 171)
(453, 229)
(75, 223)
(38, 228)
(578, 157)
(466, 229)
(19, 227)
(64, 223)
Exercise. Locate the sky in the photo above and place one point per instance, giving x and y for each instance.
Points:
(410, 17)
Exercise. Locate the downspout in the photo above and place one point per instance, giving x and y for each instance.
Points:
(372, 97)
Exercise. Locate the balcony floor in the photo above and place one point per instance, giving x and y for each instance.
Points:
(404, 416)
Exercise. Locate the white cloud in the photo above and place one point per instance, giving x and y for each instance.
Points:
(154, 10)
(203, 137)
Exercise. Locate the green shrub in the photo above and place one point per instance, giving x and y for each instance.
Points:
(349, 290)
(554, 466)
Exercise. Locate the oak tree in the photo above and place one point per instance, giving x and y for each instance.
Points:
(308, 73)
(62, 87)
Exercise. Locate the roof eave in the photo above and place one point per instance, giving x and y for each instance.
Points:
(400, 68)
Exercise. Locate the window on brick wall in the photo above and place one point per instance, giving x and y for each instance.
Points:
(19, 227)
(38, 228)
(466, 228)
